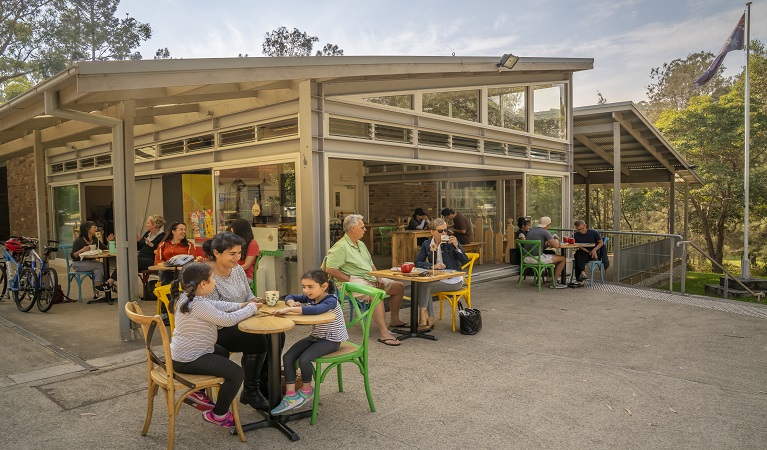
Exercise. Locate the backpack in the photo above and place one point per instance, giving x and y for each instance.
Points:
(59, 297)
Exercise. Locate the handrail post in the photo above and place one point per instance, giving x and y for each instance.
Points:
(671, 268)
(684, 270)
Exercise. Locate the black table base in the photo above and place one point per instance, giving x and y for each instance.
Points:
(275, 397)
(413, 331)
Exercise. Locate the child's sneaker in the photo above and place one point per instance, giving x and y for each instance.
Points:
(201, 401)
(289, 402)
(226, 422)
(307, 397)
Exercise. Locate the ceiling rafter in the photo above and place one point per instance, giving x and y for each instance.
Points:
(642, 140)
(600, 152)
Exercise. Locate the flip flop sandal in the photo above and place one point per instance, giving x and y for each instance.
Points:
(389, 342)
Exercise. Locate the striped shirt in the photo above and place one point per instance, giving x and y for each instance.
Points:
(234, 288)
(334, 331)
(196, 332)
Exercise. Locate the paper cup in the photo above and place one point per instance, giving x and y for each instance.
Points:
(272, 297)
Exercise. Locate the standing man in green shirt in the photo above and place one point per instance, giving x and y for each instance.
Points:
(350, 260)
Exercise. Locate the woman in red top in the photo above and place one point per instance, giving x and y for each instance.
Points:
(175, 243)
(241, 228)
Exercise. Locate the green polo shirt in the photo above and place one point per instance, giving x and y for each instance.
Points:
(350, 259)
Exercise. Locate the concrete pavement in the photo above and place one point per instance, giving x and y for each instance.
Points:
(575, 368)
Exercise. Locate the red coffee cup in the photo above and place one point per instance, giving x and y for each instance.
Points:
(407, 267)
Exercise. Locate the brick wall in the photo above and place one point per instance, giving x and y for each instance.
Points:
(21, 195)
(390, 201)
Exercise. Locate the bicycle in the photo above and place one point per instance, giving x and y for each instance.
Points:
(28, 282)
(46, 278)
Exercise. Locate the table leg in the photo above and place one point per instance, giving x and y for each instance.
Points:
(275, 395)
(413, 332)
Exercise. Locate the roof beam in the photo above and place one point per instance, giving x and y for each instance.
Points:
(590, 129)
(591, 145)
(642, 140)
(580, 171)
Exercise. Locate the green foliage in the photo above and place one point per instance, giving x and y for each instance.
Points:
(281, 42)
(544, 198)
(20, 37)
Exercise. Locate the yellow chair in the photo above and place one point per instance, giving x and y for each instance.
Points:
(454, 296)
(160, 374)
(163, 298)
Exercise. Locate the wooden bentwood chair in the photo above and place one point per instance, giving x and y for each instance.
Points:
(455, 296)
(160, 374)
(349, 351)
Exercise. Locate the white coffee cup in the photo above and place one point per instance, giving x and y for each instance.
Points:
(93, 247)
(445, 238)
(272, 297)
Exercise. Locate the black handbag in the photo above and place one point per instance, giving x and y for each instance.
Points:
(470, 320)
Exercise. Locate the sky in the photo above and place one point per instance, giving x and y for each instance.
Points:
(626, 38)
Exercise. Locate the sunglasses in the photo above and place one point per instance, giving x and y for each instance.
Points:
(441, 231)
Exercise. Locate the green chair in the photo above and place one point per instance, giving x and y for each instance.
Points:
(78, 277)
(349, 351)
(532, 249)
(386, 234)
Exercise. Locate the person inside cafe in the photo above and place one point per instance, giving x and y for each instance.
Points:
(232, 286)
(194, 347)
(174, 243)
(147, 243)
(523, 226)
(541, 233)
(461, 225)
(419, 221)
(318, 297)
(85, 242)
(242, 228)
(585, 235)
(350, 260)
(446, 254)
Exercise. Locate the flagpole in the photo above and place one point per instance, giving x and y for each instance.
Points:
(746, 264)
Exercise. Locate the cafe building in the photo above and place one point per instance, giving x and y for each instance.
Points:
(292, 145)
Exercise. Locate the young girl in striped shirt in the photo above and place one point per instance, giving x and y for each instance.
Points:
(193, 345)
(326, 338)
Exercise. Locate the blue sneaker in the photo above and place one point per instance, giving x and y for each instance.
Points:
(307, 397)
(289, 402)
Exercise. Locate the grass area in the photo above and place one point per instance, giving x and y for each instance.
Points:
(696, 281)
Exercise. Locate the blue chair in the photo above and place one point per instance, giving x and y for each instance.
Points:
(597, 263)
(77, 276)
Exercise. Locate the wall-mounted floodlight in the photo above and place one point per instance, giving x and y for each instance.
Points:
(508, 60)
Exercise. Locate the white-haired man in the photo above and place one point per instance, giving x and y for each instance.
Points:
(350, 260)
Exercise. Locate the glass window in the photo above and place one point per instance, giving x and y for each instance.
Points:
(549, 110)
(66, 208)
(457, 104)
(397, 101)
(506, 107)
(475, 199)
(272, 187)
(544, 198)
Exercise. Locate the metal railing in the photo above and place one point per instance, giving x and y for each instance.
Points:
(728, 275)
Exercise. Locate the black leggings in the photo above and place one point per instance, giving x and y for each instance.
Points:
(305, 352)
(237, 341)
(216, 364)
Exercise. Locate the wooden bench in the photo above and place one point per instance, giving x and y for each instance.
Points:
(475, 247)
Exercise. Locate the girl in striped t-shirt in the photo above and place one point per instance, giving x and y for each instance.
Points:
(325, 338)
(193, 345)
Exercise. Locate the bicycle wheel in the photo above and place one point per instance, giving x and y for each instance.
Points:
(49, 279)
(25, 296)
(3, 279)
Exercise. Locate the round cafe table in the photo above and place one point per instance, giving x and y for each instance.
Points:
(266, 323)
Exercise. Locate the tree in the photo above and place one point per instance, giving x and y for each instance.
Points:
(87, 30)
(282, 42)
(709, 132)
(19, 37)
(674, 84)
(162, 53)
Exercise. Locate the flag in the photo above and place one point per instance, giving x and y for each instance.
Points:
(733, 42)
